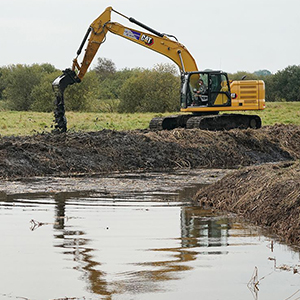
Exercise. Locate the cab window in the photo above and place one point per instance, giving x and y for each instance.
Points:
(219, 90)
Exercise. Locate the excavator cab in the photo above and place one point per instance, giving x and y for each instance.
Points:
(205, 89)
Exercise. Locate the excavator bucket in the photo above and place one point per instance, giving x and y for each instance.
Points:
(59, 85)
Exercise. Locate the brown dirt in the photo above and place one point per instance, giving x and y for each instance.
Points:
(267, 195)
(105, 151)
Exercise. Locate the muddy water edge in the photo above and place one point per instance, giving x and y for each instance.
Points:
(134, 236)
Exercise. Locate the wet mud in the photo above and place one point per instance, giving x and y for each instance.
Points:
(75, 153)
(186, 182)
(259, 197)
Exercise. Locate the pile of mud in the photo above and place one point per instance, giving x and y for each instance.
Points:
(106, 151)
(267, 195)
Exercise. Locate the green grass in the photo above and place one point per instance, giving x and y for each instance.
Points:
(282, 112)
(279, 113)
(27, 123)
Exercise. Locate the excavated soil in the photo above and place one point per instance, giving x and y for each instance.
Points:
(266, 194)
(106, 151)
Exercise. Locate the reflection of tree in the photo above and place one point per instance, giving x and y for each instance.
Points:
(198, 229)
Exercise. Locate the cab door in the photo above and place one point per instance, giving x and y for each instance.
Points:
(219, 90)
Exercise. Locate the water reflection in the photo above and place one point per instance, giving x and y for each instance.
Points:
(199, 228)
(75, 243)
(138, 246)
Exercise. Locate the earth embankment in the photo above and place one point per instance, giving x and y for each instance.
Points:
(267, 195)
(105, 151)
(265, 188)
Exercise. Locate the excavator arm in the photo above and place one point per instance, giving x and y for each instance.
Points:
(96, 33)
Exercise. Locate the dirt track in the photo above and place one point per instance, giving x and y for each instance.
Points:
(259, 193)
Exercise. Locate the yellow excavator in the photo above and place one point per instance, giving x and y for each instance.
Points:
(203, 93)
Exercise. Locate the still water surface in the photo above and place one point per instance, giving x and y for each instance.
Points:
(136, 246)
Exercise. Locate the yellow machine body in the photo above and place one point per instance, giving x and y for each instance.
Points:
(221, 94)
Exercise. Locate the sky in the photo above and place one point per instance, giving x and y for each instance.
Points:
(231, 35)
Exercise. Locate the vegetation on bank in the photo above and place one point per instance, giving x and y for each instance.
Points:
(28, 122)
(126, 99)
(106, 89)
(267, 195)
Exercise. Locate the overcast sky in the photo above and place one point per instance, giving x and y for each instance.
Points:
(231, 35)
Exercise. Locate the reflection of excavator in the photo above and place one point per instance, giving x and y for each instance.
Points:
(201, 234)
(203, 93)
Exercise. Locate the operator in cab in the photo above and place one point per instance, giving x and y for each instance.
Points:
(200, 94)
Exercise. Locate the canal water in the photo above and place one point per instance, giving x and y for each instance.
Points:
(136, 245)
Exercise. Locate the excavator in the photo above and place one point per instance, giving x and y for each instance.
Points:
(204, 94)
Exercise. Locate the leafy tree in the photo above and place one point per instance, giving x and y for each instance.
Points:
(151, 91)
(166, 68)
(2, 84)
(111, 86)
(82, 97)
(269, 85)
(42, 94)
(30, 88)
(286, 84)
(105, 68)
(262, 73)
(19, 82)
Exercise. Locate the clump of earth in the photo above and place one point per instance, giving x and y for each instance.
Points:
(264, 188)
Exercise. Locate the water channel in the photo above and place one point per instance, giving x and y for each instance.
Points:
(132, 240)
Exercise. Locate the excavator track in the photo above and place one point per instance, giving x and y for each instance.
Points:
(206, 122)
(224, 122)
(169, 122)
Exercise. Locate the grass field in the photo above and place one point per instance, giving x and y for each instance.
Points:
(27, 123)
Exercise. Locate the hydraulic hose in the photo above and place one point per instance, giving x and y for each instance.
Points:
(84, 40)
(145, 27)
(132, 20)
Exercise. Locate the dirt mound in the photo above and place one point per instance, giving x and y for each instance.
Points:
(267, 195)
(105, 151)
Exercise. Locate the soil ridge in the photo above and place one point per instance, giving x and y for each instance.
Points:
(267, 195)
(107, 150)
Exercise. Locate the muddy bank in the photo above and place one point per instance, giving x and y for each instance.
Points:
(115, 184)
(267, 195)
(105, 151)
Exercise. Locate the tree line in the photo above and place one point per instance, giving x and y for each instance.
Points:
(106, 89)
